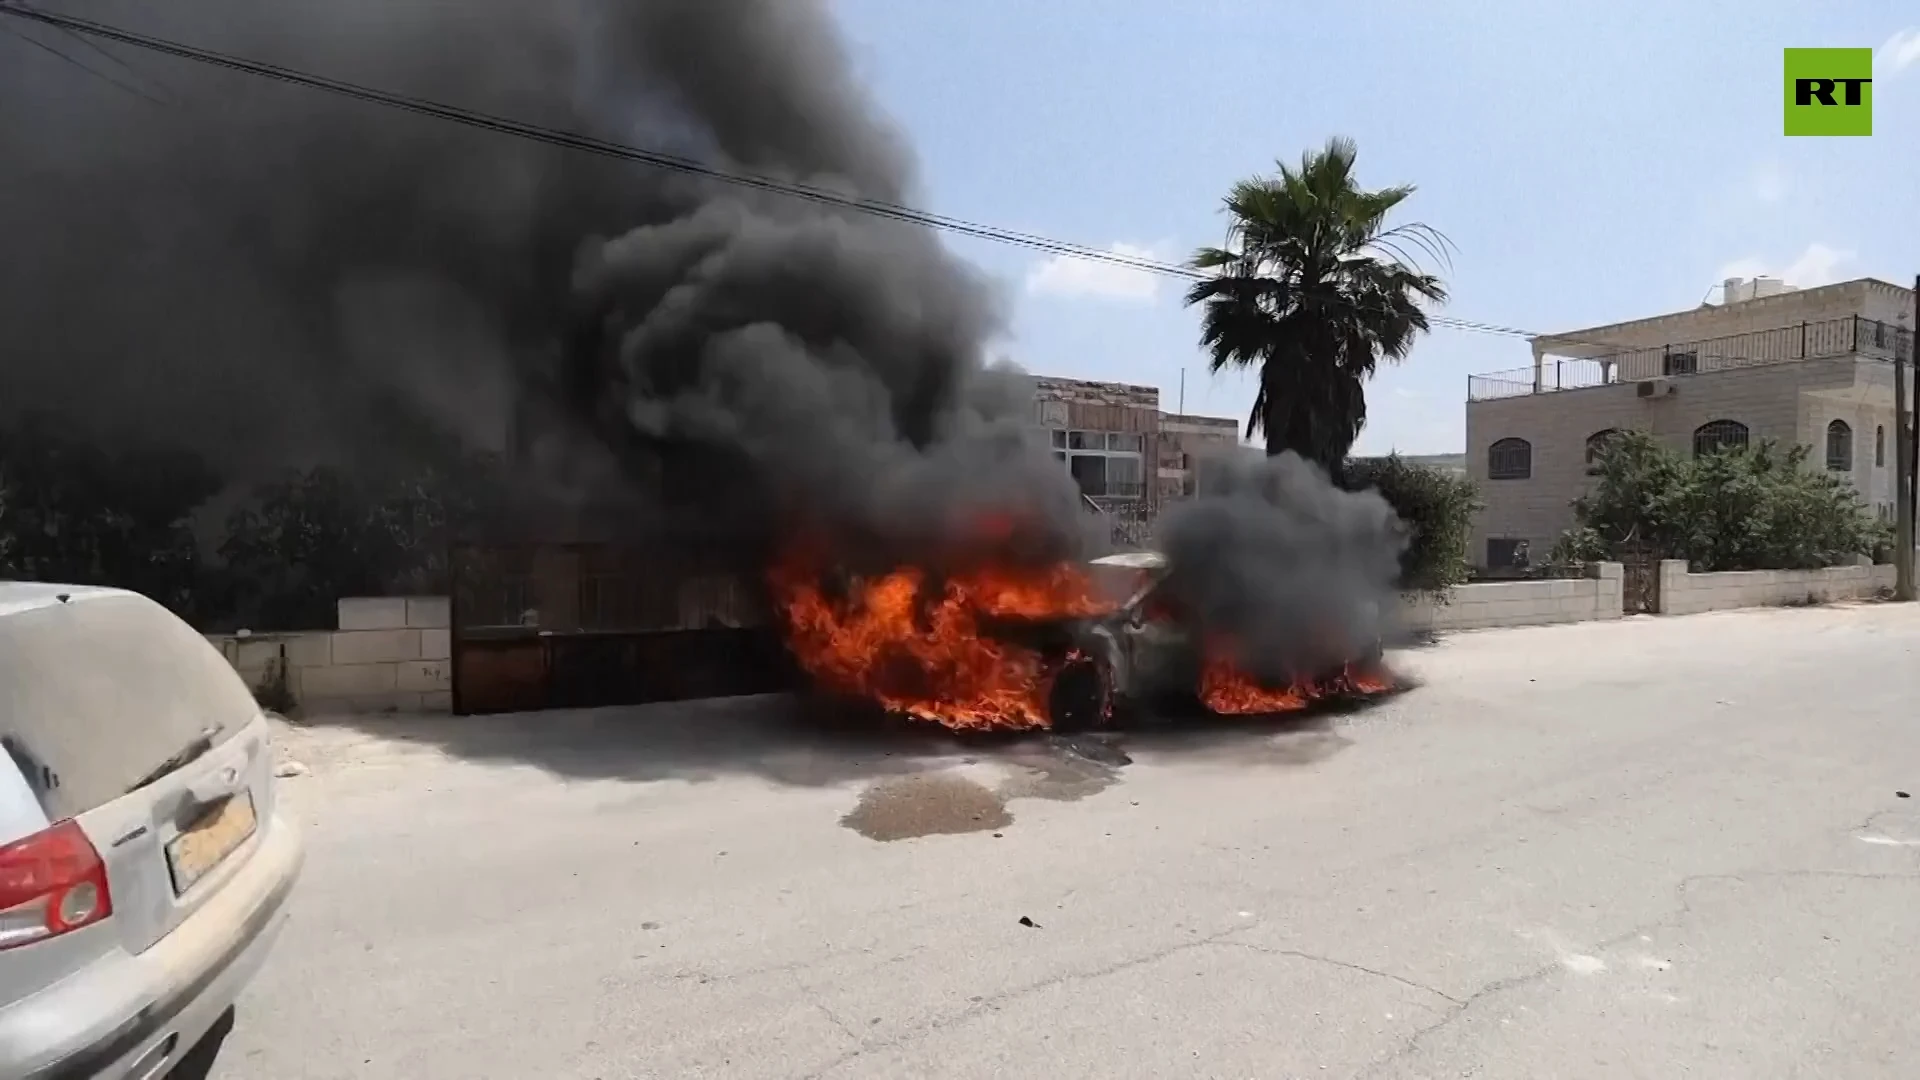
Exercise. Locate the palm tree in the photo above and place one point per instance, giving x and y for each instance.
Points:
(1313, 289)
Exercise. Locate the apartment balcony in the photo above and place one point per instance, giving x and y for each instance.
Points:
(1827, 339)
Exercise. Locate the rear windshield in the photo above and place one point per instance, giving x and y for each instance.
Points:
(98, 692)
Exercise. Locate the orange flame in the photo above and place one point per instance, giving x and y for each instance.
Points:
(915, 644)
(1227, 690)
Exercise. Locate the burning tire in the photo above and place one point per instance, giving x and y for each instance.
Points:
(1082, 696)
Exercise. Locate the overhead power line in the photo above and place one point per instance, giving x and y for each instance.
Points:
(116, 61)
(605, 148)
(83, 66)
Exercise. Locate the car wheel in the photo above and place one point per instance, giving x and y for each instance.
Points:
(1082, 697)
(197, 1062)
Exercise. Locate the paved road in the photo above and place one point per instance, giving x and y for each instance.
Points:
(1658, 848)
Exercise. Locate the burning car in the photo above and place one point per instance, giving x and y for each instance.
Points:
(1143, 655)
(1071, 646)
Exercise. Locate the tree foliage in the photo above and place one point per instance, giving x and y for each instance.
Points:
(302, 541)
(1437, 508)
(1313, 289)
(147, 518)
(75, 510)
(1739, 508)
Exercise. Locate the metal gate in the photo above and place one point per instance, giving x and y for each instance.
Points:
(542, 626)
(1640, 583)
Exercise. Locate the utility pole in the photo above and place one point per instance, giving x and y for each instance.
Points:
(1913, 429)
(1904, 434)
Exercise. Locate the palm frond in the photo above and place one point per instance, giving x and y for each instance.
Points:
(1428, 239)
(1313, 288)
(1212, 258)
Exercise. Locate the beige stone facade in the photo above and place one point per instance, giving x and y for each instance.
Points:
(1120, 447)
(1188, 447)
(1810, 366)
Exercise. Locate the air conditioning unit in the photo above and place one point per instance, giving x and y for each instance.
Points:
(1655, 388)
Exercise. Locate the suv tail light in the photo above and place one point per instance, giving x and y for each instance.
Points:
(50, 883)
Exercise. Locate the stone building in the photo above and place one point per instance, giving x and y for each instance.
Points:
(1809, 366)
(1121, 449)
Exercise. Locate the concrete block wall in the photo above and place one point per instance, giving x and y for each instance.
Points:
(389, 654)
(1683, 593)
(1521, 603)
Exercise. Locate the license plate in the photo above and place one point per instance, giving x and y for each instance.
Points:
(201, 846)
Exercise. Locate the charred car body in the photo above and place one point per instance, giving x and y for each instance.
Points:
(1143, 657)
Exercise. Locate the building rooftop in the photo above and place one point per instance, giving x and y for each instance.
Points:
(1640, 349)
(1603, 340)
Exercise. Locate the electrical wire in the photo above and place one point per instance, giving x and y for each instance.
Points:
(135, 73)
(95, 72)
(80, 28)
(589, 144)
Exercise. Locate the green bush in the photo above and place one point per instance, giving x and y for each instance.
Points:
(304, 540)
(1437, 507)
(133, 515)
(1747, 508)
(88, 513)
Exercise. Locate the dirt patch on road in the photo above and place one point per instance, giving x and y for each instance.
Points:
(927, 804)
(952, 801)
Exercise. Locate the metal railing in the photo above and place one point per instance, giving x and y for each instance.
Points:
(1826, 339)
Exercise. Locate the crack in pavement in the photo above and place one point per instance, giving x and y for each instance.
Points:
(989, 1004)
(1410, 984)
(1223, 938)
(1682, 912)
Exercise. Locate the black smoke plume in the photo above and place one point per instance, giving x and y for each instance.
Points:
(271, 276)
(276, 276)
(1293, 575)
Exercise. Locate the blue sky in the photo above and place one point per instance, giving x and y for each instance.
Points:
(1592, 162)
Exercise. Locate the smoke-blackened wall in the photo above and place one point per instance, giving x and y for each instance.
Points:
(273, 275)
(1292, 574)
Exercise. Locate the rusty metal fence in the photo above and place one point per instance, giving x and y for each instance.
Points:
(538, 626)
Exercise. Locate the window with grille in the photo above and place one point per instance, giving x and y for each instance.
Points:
(1718, 435)
(1106, 464)
(1839, 447)
(1506, 551)
(1680, 363)
(1510, 459)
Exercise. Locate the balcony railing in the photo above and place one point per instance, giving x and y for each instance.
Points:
(1783, 345)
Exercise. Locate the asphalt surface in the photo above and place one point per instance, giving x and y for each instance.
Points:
(1657, 848)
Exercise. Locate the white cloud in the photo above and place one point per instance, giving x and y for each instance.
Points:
(1069, 275)
(1900, 52)
(1817, 265)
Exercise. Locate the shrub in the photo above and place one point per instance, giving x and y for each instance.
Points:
(1746, 508)
(308, 538)
(88, 513)
(1437, 508)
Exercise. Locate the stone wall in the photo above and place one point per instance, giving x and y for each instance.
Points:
(1683, 593)
(389, 654)
(1520, 603)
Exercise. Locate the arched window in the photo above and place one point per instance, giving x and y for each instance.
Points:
(1719, 435)
(1596, 443)
(1839, 447)
(1510, 459)
(1880, 446)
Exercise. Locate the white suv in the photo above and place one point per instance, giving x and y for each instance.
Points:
(144, 872)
